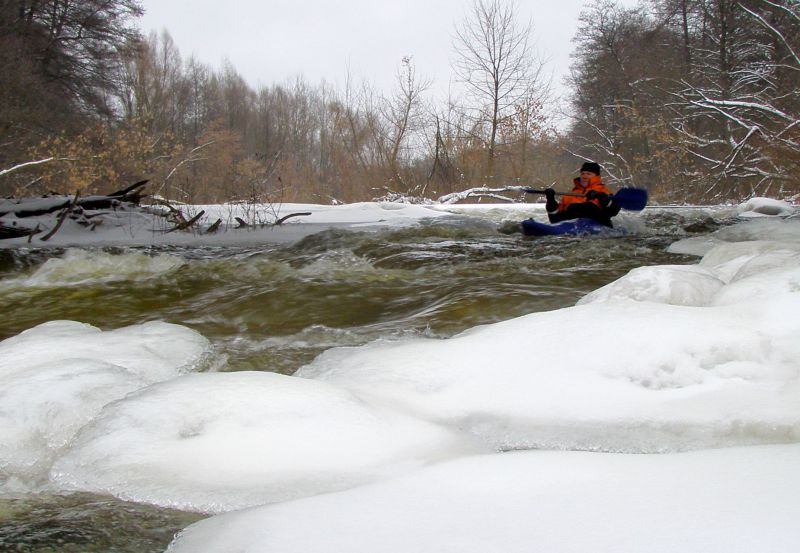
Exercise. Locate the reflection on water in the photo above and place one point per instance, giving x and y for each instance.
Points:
(277, 307)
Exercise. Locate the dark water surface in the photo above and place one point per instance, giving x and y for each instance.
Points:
(275, 308)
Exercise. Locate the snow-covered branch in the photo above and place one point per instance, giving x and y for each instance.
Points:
(190, 158)
(4, 172)
(772, 29)
(481, 192)
(721, 104)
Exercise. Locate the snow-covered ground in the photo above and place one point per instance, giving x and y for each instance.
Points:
(661, 413)
(132, 226)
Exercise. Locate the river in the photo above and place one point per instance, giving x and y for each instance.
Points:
(276, 307)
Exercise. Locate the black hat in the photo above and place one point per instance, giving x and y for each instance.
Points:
(591, 167)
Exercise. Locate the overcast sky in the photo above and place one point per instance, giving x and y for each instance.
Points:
(273, 41)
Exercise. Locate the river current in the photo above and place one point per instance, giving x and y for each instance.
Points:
(276, 307)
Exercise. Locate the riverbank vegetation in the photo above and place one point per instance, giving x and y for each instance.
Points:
(698, 100)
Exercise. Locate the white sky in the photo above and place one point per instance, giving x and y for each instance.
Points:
(272, 41)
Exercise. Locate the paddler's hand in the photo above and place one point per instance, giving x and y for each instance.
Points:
(552, 205)
(602, 198)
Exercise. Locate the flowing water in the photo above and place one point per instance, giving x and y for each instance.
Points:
(276, 307)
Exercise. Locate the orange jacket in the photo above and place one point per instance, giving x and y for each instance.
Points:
(595, 183)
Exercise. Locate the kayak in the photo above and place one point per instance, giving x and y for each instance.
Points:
(576, 227)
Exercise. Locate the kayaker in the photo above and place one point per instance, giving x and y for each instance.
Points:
(595, 203)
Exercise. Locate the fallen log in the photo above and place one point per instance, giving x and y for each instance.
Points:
(187, 224)
(245, 224)
(61, 218)
(175, 212)
(131, 188)
(32, 207)
(282, 219)
(214, 227)
(9, 231)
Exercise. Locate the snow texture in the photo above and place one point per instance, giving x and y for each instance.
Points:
(717, 501)
(405, 445)
(221, 441)
(56, 377)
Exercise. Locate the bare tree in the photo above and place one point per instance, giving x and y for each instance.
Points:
(75, 44)
(740, 107)
(400, 116)
(496, 63)
(58, 69)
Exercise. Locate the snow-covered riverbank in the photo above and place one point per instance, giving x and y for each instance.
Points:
(679, 386)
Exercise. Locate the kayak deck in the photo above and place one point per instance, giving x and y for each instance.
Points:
(577, 227)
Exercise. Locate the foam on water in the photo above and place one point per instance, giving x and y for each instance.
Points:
(337, 263)
(80, 267)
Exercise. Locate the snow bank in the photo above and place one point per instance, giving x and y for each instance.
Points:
(719, 501)
(146, 226)
(220, 441)
(770, 229)
(765, 207)
(359, 213)
(670, 284)
(665, 359)
(56, 377)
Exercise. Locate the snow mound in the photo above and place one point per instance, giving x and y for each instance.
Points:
(671, 284)
(765, 228)
(56, 377)
(719, 501)
(765, 207)
(219, 441)
(663, 359)
(153, 351)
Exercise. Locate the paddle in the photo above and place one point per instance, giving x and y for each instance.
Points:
(632, 199)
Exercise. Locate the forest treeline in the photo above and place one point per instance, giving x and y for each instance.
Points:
(697, 100)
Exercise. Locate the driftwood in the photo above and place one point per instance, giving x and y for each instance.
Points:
(182, 222)
(84, 209)
(67, 211)
(214, 227)
(282, 219)
(187, 224)
(177, 213)
(244, 224)
(128, 192)
(75, 207)
(43, 206)
(11, 231)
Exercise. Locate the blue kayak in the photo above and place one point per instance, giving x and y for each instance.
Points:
(576, 227)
